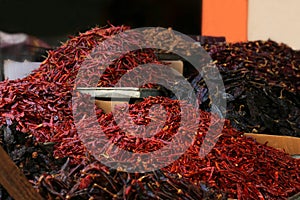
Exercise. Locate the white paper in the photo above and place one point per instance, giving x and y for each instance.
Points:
(14, 70)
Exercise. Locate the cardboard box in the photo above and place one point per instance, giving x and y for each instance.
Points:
(107, 106)
(175, 64)
(290, 145)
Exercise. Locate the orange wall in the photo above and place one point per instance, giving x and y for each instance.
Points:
(225, 18)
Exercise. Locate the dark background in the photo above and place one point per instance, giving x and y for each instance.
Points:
(54, 20)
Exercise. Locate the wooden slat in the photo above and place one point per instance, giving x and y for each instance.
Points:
(14, 181)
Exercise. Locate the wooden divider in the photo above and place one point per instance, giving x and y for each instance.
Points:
(14, 181)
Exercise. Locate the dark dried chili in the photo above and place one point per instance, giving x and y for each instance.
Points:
(94, 181)
(262, 85)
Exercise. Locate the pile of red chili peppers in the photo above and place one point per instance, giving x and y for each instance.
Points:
(237, 164)
(41, 104)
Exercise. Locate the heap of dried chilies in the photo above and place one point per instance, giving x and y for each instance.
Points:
(31, 157)
(41, 102)
(95, 181)
(60, 179)
(40, 105)
(262, 82)
(237, 164)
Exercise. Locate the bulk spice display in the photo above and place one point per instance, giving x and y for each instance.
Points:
(40, 107)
